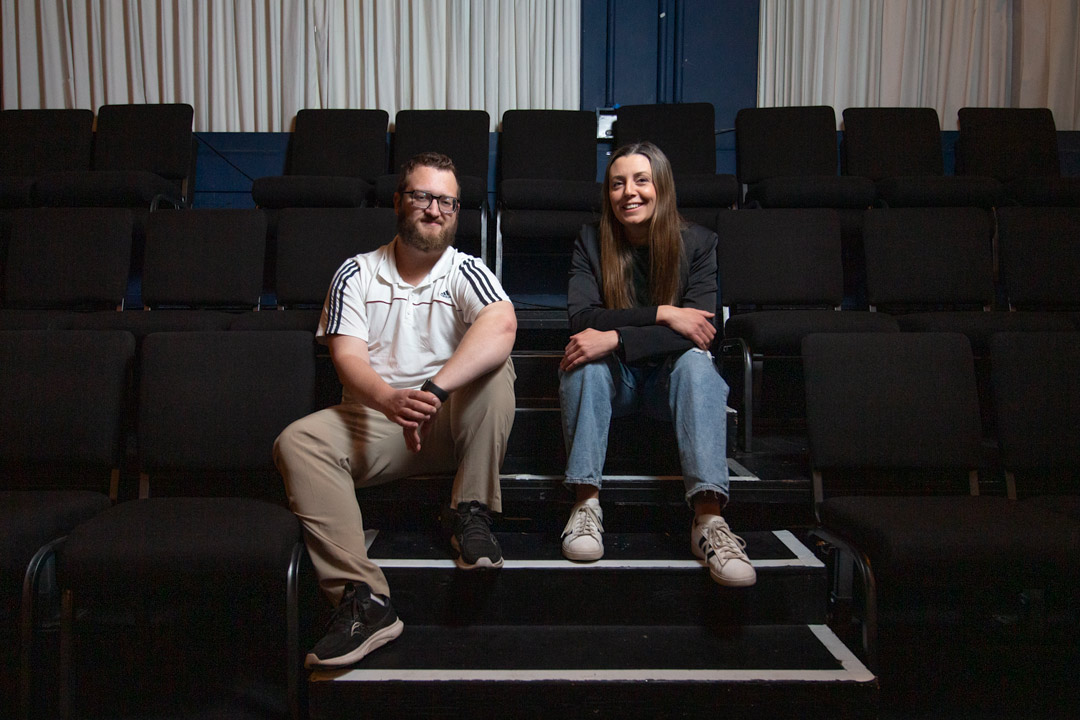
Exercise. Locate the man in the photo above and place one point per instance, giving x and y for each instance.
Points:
(420, 335)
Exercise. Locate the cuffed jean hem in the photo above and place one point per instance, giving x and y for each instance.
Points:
(699, 488)
(571, 482)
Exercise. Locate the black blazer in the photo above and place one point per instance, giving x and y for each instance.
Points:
(643, 339)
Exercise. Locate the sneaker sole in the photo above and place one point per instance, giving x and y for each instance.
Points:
(719, 579)
(376, 641)
(582, 556)
(481, 563)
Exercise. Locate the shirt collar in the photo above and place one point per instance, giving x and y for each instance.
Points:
(388, 272)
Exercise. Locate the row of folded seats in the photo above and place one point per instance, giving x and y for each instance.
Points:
(905, 480)
(782, 274)
(140, 155)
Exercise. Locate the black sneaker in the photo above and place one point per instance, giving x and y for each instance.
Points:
(474, 545)
(359, 625)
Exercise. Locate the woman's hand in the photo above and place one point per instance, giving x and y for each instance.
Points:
(588, 345)
(691, 323)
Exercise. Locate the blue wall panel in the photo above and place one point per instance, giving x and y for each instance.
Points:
(648, 51)
(229, 162)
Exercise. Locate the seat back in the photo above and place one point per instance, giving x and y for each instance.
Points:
(567, 139)
(1036, 396)
(1007, 143)
(68, 258)
(891, 400)
(216, 401)
(151, 137)
(780, 257)
(785, 142)
(64, 394)
(339, 142)
(40, 141)
(1040, 256)
(891, 142)
(684, 131)
(920, 257)
(460, 134)
(204, 258)
(312, 243)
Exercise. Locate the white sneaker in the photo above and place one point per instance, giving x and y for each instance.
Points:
(581, 538)
(712, 540)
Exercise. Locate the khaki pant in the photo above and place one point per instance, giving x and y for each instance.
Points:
(325, 456)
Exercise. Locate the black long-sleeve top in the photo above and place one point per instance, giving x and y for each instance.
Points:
(643, 340)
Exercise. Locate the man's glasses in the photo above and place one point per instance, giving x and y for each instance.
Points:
(421, 200)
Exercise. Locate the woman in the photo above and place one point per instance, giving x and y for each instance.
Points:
(641, 300)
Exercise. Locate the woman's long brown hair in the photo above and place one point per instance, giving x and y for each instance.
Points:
(665, 237)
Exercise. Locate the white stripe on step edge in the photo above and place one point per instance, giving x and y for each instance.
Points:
(853, 671)
(841, 652)
(805, 555)
(568, 565)
(803, 558)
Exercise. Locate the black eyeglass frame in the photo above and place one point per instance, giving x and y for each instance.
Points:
(418, 197)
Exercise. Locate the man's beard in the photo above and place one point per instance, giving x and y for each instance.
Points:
(411, 235)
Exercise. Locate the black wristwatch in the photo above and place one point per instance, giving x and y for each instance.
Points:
(435, 390)
(620, 349)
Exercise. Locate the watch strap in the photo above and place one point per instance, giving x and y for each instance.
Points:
(435, 390)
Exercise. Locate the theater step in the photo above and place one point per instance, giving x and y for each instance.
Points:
(632, 503)
(610, 671)
(637, 445)
(643, 579)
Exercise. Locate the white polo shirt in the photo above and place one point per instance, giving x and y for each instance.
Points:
(411, 331)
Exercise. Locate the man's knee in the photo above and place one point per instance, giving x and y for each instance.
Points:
(295, 441)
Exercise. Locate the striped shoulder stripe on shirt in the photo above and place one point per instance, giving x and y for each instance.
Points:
(336, 300)
(479, 281)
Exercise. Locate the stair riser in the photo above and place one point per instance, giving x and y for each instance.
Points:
(618, 596)
(624, 700)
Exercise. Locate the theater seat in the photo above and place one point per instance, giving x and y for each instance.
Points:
(893, 423)
(61, 417)
(210, 404)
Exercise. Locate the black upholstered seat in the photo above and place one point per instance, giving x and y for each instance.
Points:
(63, 261)
(780, 278)
(902, 409)
(334, 158)
(312, 243)
(933, 267)
(686, 133)
(143, 158)
(1040, 257)
(201, 268)
(786, 157)
(544, 197)
(211, 404)
(36, 142)
(1036, 400)
(1019, 147)
(60, 453)
(900, 150)
(462, 135)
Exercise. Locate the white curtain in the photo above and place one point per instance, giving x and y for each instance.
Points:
(249, 65)
(1046, 65)
(944, 54)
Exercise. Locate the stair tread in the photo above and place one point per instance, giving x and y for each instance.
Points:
(766, 549)
(599, 653)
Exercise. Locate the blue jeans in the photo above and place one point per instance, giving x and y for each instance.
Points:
(690, 393)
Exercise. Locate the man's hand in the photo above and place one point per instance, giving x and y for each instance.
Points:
(410, 408)
(414, 411)
(588, 345)
(691, 323)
